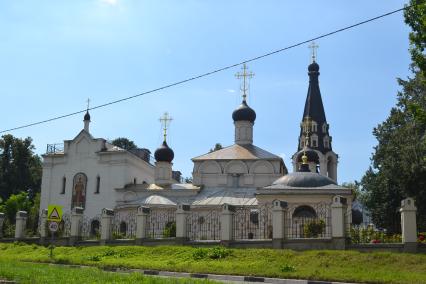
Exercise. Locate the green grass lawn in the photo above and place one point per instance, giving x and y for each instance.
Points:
(350, 266)
(23, 272)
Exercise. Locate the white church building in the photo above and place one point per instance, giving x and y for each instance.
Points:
(91, 174)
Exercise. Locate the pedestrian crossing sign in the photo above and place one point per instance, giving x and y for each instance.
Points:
(54, 213)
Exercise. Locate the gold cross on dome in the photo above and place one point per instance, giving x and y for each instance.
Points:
(165, 122)
(245, 76)
(314, 48)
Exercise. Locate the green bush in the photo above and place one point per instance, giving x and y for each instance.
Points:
(170, 230)
(211, 253)
(369, 235)
(314, 228)
(287, 268)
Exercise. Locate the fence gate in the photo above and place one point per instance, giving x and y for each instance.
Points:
(253, 222)
(308, 221)
(124, 225)
(161, 223)
(203, 225)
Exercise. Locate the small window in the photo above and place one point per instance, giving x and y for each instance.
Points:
(314, 126)
(326, 142)
(98, 184)
(134, 180)
(314, 140)
(314, 143)
(324, 128)
(64, 184)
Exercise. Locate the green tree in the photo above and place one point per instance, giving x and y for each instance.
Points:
(20, 168)
(217, 147)
(398, 167)
(124, 143)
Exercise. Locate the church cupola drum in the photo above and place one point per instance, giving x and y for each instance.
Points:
(244, 116)
(314, 129)
(164, 156)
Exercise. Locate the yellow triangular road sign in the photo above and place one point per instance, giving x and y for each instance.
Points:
(54, 213)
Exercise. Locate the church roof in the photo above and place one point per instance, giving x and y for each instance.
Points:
(239, 152)
(232, 196)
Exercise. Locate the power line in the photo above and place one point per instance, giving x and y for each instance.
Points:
(214, 71)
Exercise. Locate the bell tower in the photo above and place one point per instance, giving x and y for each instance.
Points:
(314, 129)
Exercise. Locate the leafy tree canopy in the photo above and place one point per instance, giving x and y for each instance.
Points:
(20, 168)
(398, 168)
(124, 143)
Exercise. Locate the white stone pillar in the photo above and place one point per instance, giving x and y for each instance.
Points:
(106, 225)
(408, 224)
(141, 223)
(21, 224)
(182, 214)
(338, 209)
(279, 210)
(2, 217)
(43, 224)
(227, 223)
(76, 222)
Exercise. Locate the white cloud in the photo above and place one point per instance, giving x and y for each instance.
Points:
(110, 2)
(230, 91)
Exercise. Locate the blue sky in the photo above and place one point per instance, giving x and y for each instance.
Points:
(56, 54)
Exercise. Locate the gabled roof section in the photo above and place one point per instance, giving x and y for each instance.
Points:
(239, 152)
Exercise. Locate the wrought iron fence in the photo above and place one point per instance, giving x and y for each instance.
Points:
(57, 148)
(90, 228)
(253, 222)
(161, 223)
(124, 225)
(308, 221)
(203, 225)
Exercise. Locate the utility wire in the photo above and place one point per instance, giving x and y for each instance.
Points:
(214, 71)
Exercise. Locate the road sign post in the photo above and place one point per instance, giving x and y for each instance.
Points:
(54, 216)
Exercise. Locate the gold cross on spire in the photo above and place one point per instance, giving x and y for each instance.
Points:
(165, 122)
(314, 48)
(245, 76)
(88, 104)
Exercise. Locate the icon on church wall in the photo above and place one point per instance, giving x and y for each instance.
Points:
(79, 190)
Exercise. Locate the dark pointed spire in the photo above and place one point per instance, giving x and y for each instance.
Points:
(314, 108)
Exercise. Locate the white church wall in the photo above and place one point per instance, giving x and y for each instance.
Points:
(115, 170)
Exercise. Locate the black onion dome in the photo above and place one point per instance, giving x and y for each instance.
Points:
(311, 154)
(313, 67)
(164, 153)
(304, 179)
(87, 116)
(244, 112)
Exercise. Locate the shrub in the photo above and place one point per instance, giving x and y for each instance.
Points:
(287, 268)
(314, 228)
(170, 230)
(212, 253)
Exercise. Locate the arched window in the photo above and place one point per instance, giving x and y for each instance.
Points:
(64, 184)
(134, 180)
(324, 127)
(326, 142)
(123, 228)
(314, 140)
(314, 126)
(94, 228)
(304, 211)
(98, 184)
